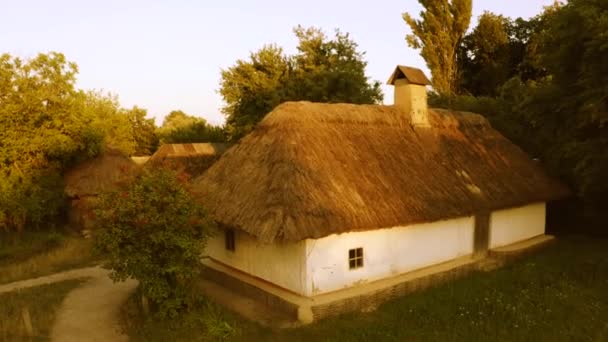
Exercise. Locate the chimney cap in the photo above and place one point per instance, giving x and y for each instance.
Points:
(413, 75)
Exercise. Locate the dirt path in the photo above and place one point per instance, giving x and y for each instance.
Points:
(90, 313)
(89, 272)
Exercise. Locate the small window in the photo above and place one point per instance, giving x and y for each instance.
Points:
(355, 258)
(229, 239)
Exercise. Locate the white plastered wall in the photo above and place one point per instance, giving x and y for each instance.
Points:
(387, 252)
(516, 224)
(282, 264)
(413, 98)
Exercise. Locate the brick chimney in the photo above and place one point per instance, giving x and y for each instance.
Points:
(410, 92)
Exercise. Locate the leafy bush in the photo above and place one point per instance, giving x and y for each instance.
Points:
(154, 231)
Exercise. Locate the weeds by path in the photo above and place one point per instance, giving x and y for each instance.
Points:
(42, 253)
(41, 304)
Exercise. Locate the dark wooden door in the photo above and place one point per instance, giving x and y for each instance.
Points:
(482, 233)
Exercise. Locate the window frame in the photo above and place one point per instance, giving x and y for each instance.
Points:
(230, 240)
(355, 258)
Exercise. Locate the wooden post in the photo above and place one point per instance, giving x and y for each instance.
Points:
(27, 321)
(145, 305)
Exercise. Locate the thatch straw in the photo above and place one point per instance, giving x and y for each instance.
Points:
(140, 160)
(310, 170)
(193, 159)
(104, 173)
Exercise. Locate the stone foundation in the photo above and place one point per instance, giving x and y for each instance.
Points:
(364, 297)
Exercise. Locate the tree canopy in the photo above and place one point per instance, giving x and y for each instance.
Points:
(323, 70)
(547, 93)
(48, 126)
(179, 128)
(154, 231)
(498, 49)
(438, 34)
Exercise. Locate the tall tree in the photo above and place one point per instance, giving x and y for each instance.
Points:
(499, 49)
(330, 70)
(110, 120)
(178, 118)
(43, 130)
(438, 34)
(251, 88)
(484, 56)
(143, 130)
(179, 128)
(323, 70)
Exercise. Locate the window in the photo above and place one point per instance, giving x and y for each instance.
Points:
(355, 258)
(229, 239)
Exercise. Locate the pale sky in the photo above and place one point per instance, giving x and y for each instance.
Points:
(167, 55)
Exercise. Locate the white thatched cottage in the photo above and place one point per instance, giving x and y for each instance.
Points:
(321, 199)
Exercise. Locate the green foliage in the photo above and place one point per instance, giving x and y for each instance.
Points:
(154, 231)
(542, 83)
(205, 321)
(15, 248)
(43, 132)
(323, 70)
(499, 49)
(48, 126)
(253, 88)
(330, 70)
(143, 130)
(111, 121)
(177, 119)
(42, 303)
(179, 128)
(438, 34)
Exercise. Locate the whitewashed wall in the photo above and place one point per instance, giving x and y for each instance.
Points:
(280, 264)
(516, 224)
(387, 252)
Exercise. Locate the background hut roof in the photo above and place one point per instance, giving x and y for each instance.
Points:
(140, 160)
(193, 159)
(310, 170)
(103, 173)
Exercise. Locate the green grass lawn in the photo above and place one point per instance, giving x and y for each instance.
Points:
(34, 254)
(41, 303)
(558, 294)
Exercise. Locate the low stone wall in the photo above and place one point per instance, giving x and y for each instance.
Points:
(271, 301)
(506, 256)
(368, 301)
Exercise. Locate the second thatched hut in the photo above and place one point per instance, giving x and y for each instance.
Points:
(193, 158)
(85, 182)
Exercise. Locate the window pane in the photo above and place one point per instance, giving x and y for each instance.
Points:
(359, 252)
(229, 240)
(351, 254)
(352, 264)
(360, 262)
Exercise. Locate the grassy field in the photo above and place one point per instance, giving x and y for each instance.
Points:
(558, 294)
(34, 254)
(41, 303)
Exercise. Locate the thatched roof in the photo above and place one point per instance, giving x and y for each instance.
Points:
(310, 170)
(193, 159)
(103, 173)
(413, 75)
(140, 160)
